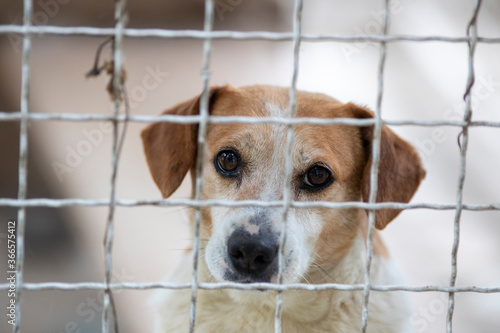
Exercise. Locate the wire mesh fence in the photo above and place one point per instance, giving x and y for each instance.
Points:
(208, 35)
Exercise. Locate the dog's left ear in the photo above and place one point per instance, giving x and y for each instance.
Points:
(400, 168)
(170, 148)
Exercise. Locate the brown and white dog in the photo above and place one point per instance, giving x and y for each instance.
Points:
(247, 162)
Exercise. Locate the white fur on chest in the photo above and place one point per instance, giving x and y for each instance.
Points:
(303, 311)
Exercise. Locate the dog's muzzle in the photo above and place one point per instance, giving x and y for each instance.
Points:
(253, 257)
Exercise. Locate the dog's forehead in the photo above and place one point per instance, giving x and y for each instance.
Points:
(270, 101)
(267, 101)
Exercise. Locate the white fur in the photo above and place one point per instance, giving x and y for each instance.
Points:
(303, 311)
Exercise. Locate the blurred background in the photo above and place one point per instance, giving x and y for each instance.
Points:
(72, 159)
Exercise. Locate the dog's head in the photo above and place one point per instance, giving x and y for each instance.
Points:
(247, 162)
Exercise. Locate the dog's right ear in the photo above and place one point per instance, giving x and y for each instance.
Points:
(400, 168)
(170, 148)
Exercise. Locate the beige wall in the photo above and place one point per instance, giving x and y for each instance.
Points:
(422, 81)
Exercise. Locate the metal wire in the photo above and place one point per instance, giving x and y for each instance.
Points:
(16, 116)
(377, 132)
(23, 164)
(40, 286)
(230, 35)
(118, 32)
(287, 184)
(56, 203)
(109, 315)
(202, 131)
(472, 33)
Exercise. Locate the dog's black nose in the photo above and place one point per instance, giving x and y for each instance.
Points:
(251, 254)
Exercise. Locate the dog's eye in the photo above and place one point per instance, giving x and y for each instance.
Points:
(227, 162)
(317, 177)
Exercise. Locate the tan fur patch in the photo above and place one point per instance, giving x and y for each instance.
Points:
(344, 149)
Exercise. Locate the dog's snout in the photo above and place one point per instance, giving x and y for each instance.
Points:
(251, 254)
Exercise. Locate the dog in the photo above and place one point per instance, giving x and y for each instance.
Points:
(241, 244)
